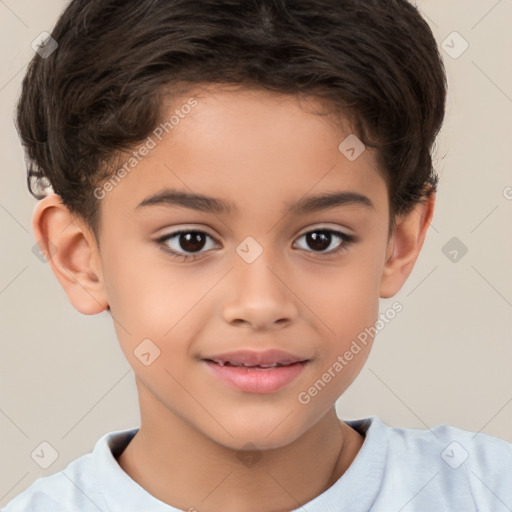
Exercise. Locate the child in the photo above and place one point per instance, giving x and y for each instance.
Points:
(238, 183)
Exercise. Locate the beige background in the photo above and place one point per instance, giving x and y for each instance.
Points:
(446, 358)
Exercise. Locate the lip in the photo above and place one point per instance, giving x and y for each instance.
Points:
(253, 357)
(253, 378)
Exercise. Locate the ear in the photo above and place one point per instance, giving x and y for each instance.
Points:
(71, 249)
(405, 245)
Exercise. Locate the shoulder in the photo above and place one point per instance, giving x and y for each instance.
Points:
(469, 467)
(34, 500)
(453, 446)
(56, 492)
(78, 486)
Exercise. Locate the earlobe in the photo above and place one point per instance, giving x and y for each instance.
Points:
(72, 253)
(405, 245)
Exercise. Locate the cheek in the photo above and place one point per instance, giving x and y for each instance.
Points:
(348, 306)
(143, 289)
(346, 298)
(153, 299)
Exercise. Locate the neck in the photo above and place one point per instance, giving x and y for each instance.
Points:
(180, 466)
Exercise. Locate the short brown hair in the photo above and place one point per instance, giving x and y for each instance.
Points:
(100, 92)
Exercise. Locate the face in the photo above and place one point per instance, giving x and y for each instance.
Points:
(253, 273)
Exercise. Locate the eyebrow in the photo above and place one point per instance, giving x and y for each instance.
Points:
(309, 204)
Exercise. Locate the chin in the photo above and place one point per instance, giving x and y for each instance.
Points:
(262, 432)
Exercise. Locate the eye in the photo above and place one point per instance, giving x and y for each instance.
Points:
(322, 238)
(193, 241)
(187, 239)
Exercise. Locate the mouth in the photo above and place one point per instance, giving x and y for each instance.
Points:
(265, 359)
(256, 372)
(236, 364)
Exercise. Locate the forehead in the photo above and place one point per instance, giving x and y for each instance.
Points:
(251, 149)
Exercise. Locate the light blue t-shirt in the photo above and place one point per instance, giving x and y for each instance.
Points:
(444, 469)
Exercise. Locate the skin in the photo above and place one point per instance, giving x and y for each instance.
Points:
(258, 150)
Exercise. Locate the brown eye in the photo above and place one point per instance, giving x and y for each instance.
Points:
(319, 240)
(185, 243)
(189, 244)
(193, 241)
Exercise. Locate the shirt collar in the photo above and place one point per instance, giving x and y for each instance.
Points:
(356, 489)
(120, 492)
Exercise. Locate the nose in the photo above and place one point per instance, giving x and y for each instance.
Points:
(258, 296)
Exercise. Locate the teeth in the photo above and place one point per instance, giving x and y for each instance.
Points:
(246, 365)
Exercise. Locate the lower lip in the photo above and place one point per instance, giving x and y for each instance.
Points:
(257, 380)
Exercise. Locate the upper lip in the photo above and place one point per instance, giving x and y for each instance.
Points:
(253, 358)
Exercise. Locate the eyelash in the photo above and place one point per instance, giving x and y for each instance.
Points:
(347, 241)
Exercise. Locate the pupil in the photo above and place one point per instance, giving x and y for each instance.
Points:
(192, 241)
(319, 240)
